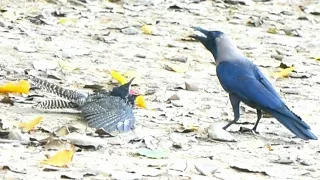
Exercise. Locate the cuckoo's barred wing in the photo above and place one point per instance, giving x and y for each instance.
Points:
(110, 113)
(71, 95)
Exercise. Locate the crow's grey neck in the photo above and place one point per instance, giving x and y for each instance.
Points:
(227, 50)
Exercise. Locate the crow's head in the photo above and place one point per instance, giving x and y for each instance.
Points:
(210, 39)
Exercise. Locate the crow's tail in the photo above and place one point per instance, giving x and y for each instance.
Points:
(295, 124)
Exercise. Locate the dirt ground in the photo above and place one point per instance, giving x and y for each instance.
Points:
(78, 42)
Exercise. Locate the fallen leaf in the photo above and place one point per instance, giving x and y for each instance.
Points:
(44, 65)
(67, 66)
(26, 48)
(140, 102)
(317, 58)
(272, 30)
(102, 133)
(190, 39)
(191, 86)
(206, 168)
(178, 165)
(10, 15)
(6, 100)
(284, 72)
(176, 68)
(61, 158)
(62, 131)
(269, 147)
(129, 31)
(67, 53)
(283, 160)
(292, 32)
(93, 86)
(13, 169)
(180, 141)
(28, 126)
(249, 168)
(22, 86)
(52, 143)
(15, 134)
(64, 20)
(117, 76)
(85, 141)
(174, 97)
(216, 132)
(187, 126)
(155, 154)
(147, 29)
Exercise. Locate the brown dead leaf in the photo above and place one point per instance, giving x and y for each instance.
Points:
(28, 126)
(6, 100)
(52, 143)
(187, 39)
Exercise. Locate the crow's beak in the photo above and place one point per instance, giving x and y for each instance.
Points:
(201, 36)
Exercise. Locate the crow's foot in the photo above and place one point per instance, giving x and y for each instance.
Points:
(244, 130)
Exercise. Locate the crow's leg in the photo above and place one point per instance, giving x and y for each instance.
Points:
(254, 129)
(235, 102)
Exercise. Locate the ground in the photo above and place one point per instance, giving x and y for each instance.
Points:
(78, 42)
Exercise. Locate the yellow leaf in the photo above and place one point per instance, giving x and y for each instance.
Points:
(117, 76)
(28, 126)
(22, 86)
(61, 158)
(140, 102)
(176, 68)
(284, 73)
(64, 20)
(269, 147)
(67, 66)
(317, 58)
(272, 30)
(147, 29)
